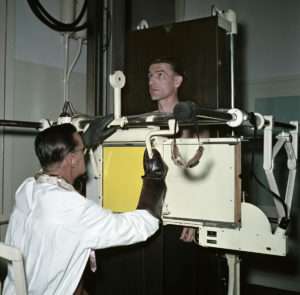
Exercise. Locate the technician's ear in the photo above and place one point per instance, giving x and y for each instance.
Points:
(74, 160)
(70, 160)
(178, 81)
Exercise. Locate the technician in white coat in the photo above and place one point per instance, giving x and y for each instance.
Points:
(55, 227)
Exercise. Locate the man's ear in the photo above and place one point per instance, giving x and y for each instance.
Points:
(178, 80)
(69, 160)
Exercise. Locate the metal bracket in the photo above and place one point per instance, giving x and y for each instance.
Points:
(288, 140)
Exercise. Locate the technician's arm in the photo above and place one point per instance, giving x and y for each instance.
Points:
(103, 229)
(154, 187)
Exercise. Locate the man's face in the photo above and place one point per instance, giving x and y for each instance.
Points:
(78, 157)
(163, 81)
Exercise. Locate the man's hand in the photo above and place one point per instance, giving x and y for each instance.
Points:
(154, 167)
(98, 131)
(154, 187)
(188, 234)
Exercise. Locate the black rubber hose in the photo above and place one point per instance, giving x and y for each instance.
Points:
(59, 23)
(61, 27)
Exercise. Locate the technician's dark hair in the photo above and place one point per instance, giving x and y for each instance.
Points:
(54, 143)
(174, 63)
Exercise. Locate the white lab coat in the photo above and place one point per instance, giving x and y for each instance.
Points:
(55, 228)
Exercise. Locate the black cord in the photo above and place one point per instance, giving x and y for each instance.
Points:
(36, 5)
(258, 180)
(59, 23)
(41, 13)
(67, 110)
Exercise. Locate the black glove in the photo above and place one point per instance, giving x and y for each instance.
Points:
(154, 187)
(97, 131)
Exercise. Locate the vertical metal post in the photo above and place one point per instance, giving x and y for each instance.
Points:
(115, 49)
(3, 46)
(106, 53)
(232, 70)
(94, 57)
(231, 17)
(233, 262)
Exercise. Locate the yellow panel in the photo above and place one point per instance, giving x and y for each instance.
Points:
(122, 182)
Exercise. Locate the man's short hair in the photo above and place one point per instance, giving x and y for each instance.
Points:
(54, 143)
(174, 63)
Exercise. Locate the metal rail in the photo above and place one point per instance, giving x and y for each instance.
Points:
(23, 124)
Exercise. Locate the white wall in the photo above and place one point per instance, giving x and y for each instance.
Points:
(31, 87)
(272, 55)
(7, 81)
(37, 43)
(272, 35)
(268, 42)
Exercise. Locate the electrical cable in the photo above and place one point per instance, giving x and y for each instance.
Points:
(41, 13)
(38, 10)
(59, 23)
(260, 182)
(68, 108)
(67, 28)
(66, 65)
(75, 59)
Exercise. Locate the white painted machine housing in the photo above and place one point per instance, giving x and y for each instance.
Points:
(208, 197)
(210, 192)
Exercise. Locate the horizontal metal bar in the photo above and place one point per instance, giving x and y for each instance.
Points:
(213, 114)
(23, 124)
(284, 125)
(139, 124)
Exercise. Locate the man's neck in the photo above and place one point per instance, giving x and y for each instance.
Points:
(167, 105)
(62, 173)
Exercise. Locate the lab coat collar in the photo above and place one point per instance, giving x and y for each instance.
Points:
(52, 179)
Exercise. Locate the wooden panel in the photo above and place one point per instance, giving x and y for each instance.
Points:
(202, 49)
(131, 270)
(161, 266)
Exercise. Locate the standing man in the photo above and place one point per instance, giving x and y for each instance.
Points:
(165, 76)
(56, 228)
(192, 263)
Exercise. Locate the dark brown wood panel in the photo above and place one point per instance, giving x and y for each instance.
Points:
(161, 266)
(199, 45)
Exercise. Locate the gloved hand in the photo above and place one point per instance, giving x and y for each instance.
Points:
(154, 187)
(97, 131)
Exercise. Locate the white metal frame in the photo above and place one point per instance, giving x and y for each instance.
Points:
(14, 255)
(288, 140)
(253, 231)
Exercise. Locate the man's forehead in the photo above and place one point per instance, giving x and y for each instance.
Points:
(160, 67)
